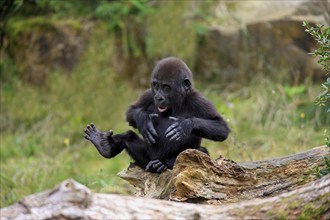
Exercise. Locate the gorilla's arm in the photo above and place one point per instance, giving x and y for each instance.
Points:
(139, 117)
(140, 106)
(214, 129)
(202, 120)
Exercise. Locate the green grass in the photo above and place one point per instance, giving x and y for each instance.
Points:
(268, 121)
(42, 128)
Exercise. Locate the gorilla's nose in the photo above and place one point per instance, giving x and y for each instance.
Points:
(160, 99)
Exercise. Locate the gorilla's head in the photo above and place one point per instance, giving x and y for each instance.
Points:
(171, 81)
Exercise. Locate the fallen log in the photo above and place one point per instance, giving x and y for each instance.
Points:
(71, 200)
(302, 196)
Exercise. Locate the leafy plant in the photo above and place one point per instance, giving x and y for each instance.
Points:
(327, 159)
(321, 34)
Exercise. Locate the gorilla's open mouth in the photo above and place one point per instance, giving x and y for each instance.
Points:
(162, 109)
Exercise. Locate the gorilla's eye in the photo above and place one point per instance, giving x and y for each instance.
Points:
(155, 85)
(166, 88)
(186, 83)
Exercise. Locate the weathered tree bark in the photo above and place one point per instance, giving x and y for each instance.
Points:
(228, 182)
(197, 178)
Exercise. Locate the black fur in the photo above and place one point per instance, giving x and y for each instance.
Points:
(171, 116)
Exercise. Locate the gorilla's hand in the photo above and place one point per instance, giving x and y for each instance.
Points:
(179, 129)
(97, 137)
(101, 140)
(147, 129)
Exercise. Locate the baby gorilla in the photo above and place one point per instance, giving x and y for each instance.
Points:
(172, 116)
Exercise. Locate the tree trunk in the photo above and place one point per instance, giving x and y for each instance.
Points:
(229, 182)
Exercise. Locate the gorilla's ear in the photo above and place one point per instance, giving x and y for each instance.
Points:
(186, 84)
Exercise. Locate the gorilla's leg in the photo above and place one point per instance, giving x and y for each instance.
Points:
(170, 161)
(137, 148)
(203, 149)
(142, 153)
(109, 145)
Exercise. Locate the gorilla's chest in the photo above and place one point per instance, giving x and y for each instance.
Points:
(161, 124)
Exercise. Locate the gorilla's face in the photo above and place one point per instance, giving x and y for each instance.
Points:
(163, 94)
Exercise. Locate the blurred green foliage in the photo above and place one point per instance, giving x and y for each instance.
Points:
(122, 18)
(119, 13)
(166, 36)
(127, 19)
(177, 32)
(42, 7)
